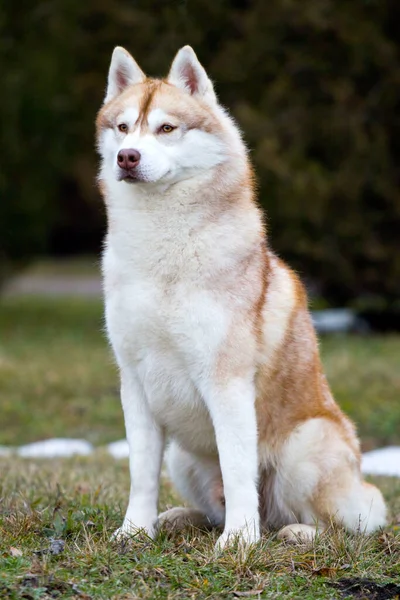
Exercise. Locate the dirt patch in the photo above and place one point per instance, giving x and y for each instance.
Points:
(365, 589)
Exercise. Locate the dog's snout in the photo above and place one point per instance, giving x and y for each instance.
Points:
(128, 158)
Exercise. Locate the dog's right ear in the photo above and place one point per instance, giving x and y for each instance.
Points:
(124, 71)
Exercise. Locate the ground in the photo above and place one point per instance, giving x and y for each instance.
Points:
(57, 516)
(57, 378)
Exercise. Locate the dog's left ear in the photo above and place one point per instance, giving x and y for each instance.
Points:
(188, 74)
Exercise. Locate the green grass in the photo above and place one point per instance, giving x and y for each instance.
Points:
(364, 373)
(81, 502)
(79, 266)
(57, 378)
(57, 375)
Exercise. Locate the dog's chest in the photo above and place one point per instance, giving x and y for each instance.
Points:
(170, 334)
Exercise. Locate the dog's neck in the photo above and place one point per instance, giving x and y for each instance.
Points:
(164, 233)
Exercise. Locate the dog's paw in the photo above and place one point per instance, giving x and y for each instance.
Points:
(120, 534)
(176, 519)
(173, 519)
(129, 529)
(297, 534)
(243, 537)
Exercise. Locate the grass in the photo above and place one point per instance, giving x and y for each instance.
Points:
(57, 378)
(81, 502)
(79, 266)
(365, 377)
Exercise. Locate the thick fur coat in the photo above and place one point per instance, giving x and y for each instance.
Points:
(211, 331)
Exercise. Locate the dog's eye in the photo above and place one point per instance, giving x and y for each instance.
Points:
(167, 128)
(123, 127)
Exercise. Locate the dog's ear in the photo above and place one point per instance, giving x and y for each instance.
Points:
(123, 71)
(188, 74)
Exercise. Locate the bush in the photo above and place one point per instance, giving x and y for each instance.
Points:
(313, 85)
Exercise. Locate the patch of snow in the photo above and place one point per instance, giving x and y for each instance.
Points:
(385, 461)
(54, 448)
(6, 450)
(119, 449)
(340, 320)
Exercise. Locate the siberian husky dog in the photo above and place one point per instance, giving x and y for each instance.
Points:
(210, 329)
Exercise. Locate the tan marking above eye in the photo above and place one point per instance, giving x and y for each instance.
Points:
(123, 127)
(167, 128)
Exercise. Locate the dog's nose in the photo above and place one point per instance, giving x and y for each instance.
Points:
(128, 158)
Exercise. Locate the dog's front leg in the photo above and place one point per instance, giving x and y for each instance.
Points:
(232, 409)
(146, 445)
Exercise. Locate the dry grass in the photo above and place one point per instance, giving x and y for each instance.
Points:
(57, 378)
(81, 502)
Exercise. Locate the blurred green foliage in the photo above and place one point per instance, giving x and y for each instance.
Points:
(314, 85)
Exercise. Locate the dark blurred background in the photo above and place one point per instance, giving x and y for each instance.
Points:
(314, 86)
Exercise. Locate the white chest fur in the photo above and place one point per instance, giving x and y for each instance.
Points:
(164, 325)
(167, 338)
(170, 280)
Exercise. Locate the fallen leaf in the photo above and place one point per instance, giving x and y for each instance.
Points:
(325, 571)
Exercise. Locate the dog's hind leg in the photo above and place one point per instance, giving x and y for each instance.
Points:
(354, 504)
(318, 483)
(199, 481)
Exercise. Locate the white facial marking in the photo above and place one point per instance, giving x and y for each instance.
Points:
(165, 158)
(158, 117)
(129, 116)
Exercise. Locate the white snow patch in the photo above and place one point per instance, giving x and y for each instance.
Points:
(333, 320)
(119, 449)
(385, 461)
(6, 450)
(54, 448)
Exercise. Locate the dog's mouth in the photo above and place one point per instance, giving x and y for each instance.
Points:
(136, 176)
(129, 176)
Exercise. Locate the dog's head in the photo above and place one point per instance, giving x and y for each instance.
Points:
(161, 131)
